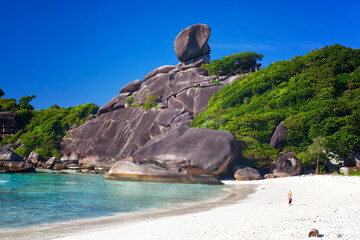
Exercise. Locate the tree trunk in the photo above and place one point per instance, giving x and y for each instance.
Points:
(317, 165)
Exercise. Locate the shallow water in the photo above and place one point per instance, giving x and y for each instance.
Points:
(50, 197)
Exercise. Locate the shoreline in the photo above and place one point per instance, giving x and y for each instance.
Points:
(328, 203)
(70, 228)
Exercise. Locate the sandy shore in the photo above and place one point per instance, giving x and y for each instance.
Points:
(327, 203)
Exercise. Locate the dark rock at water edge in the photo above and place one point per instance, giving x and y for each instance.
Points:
(127, 171)
(197, 150)
(111, 137)
(192, 42)
(12, 162)
(34, 158)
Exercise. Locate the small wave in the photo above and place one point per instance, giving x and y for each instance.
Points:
(3, 181)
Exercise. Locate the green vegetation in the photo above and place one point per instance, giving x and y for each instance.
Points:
(151, 101)
(315, 95)
(130, 100)
(237, 63)
(317, 148)
(42, 130)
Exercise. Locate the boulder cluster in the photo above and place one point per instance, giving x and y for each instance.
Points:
(144, 133)
(11, 162)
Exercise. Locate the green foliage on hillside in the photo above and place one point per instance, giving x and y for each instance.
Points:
(42, 130)
(315, 95)
(237, 63)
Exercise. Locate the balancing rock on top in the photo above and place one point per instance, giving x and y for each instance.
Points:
(192, 42)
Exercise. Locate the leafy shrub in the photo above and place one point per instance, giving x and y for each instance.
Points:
(237, 63)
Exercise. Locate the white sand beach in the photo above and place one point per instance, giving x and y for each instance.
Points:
(327, 203)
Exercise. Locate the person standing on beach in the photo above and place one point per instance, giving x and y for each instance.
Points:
(290, 198)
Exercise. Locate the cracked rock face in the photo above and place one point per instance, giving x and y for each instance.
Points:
(125, 126)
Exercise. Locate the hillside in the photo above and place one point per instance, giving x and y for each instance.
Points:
(317, 95)
(41, 130)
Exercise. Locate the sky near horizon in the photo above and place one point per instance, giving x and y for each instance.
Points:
(72, 52)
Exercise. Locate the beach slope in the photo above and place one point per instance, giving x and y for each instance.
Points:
(327, 203)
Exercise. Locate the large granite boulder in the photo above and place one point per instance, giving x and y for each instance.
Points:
(278, 138)
(127, 171)
(192, 42)
(50, 163)
(287, 165)
(11, 162)
(34, 158)
(166, 101)
(160, 70)
(111, 137)
(197, 150)
(115, 103)
(243, 173)
(8, 123)
(131, 87)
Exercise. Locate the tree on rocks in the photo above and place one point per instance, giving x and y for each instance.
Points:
(237, 63)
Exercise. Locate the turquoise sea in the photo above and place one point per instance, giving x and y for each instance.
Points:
(50, 197)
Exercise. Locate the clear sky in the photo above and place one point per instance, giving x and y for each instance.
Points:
(71, 52)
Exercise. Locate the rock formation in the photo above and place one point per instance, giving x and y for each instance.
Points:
(145, 123)
(243, 173)
(8, 123)
(11, 162)
(278, 138)
(287, 165)
(192, 42)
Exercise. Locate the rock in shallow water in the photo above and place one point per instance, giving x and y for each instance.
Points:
(11, 162)
(127, 171)
(198, 150)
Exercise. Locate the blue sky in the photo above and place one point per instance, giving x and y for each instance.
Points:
(71, 52)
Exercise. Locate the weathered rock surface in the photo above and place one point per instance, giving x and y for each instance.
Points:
(195, 62)
(177, 94)
(246, 173)
(111, 137)
(192, 42)
(8, 123)
(116, 102)
(199, 151)
(287, 165)
(160, 70)
(278, 138)
(11, 162)
(127, 171)
(131, 87)
(51, 163)
(34, 158)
